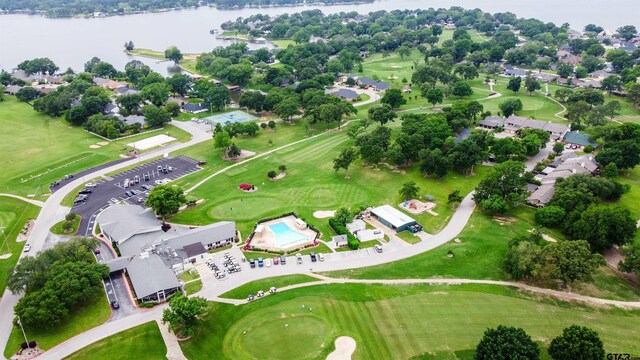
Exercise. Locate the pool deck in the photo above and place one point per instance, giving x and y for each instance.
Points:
(267, 238)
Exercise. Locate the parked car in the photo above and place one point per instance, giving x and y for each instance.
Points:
(283, 260)
(91, 184)
(378, 248)
(136, 179)
(85, 191)
(27, 247)
(132, 183)
(140, 200)
(313, 256)
(146, 177)
(126, 183)
(96, 251)
(276, 261)
(128, 193)
(113, 200)
(202, 162)
(267, 262)
(299, 258)
(260, 262)
(252, 263)
(250, 297)
(78, 201)
(115, 305)
(321, 256)
(67, 177)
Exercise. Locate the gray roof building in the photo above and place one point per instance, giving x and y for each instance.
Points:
(379, 85)
(346, 94)
(492, 122)
(542, 195)
(151, 279)
(120, 222)
(578, 138)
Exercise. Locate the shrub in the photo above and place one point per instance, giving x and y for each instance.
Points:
(588, 149)
(70, 216)
(340, 229)
(271, 174)
(67, 225)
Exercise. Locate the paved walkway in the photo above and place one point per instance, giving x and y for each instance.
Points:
(174, 352)
(30, 201)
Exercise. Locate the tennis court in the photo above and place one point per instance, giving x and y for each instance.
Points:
(233, 117)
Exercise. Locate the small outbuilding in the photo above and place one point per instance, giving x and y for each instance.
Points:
(340, 240)
(395, 219)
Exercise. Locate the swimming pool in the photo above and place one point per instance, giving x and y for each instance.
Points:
(286, 236)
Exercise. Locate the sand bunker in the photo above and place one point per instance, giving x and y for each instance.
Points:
(94, 146)
(323, 214)
(103, 143)
(345, 346)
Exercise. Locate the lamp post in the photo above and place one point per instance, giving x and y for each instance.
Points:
(23, 333)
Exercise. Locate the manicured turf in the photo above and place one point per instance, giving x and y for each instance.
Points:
(265, 284)
(40, 145)
(143, 341)
(392, 322)
(14, 214)
(283, 44)
(80, 320)
(193, 287)
(311, 184)
(57, 228)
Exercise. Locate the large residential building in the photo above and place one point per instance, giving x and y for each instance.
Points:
(514, 123)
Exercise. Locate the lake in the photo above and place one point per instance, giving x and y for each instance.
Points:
(72, 42)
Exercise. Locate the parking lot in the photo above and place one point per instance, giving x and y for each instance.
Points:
(112, 189)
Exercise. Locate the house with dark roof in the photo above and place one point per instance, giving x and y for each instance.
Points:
(513, 72)
(542, 195)
(346, 94)
(192, 108)
(492, 122)
(376, 85)
(125, 90)
(576, 138)
(12, 89)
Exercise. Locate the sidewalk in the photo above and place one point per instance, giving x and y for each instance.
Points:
(174, 352)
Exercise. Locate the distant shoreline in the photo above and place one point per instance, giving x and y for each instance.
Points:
(105, 15)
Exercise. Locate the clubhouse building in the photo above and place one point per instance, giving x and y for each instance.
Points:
(152, 257)
(395, 219)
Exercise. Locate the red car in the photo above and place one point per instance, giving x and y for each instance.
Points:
(275, 260)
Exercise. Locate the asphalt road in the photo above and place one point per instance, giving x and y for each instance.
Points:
(111, 189)
(62, 182)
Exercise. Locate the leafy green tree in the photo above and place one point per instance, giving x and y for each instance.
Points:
(461, 89)
(603, 226)
(372, 146)
(454, 198)
(403, 51)
(611, 83)
(173, 53)
(570, 261)
(577, 342)
(222, 140)
(344, 160)
(173, 109)
(550, 216)
(252, 100)
(409, 190)
(433, 95)
(627, 32)
(271, 174)
(504, 343)
(180, 83)
(183, 314)
(524, 259)
(514, 84)
(563, 94)
(239, 74)
(610, 170)
(130, 102)
(27, 94)
(288, 108)
(104, 69)
(155, 116)
(166, 200)
(282, 168)
(217, 97)
(156, 93)
(234, 151)
(510, 107)
(631, 262)
(505, 181)
(88, 66)
(343, 216)
(565, 70)
(77, 115)
(129, 45)
(393, 98)
(531, 84)
(382, 114)
(434, 162)
(558, 148)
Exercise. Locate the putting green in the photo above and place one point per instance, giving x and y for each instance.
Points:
(246, 207)
(283, 337)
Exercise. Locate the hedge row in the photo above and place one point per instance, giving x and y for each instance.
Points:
(340, 229)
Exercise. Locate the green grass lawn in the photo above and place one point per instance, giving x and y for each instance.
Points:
(141, 341)
(49, 147)
(408, 237)
(311, 184)
(59, 230)
(393, 322)
(14, 214)
(83, 318)
(265, 284)
(193, 287)
(283, 44)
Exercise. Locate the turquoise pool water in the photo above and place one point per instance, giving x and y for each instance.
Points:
(286, 236)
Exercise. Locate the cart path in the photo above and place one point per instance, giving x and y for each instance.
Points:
(564, 295)
(37, 203)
